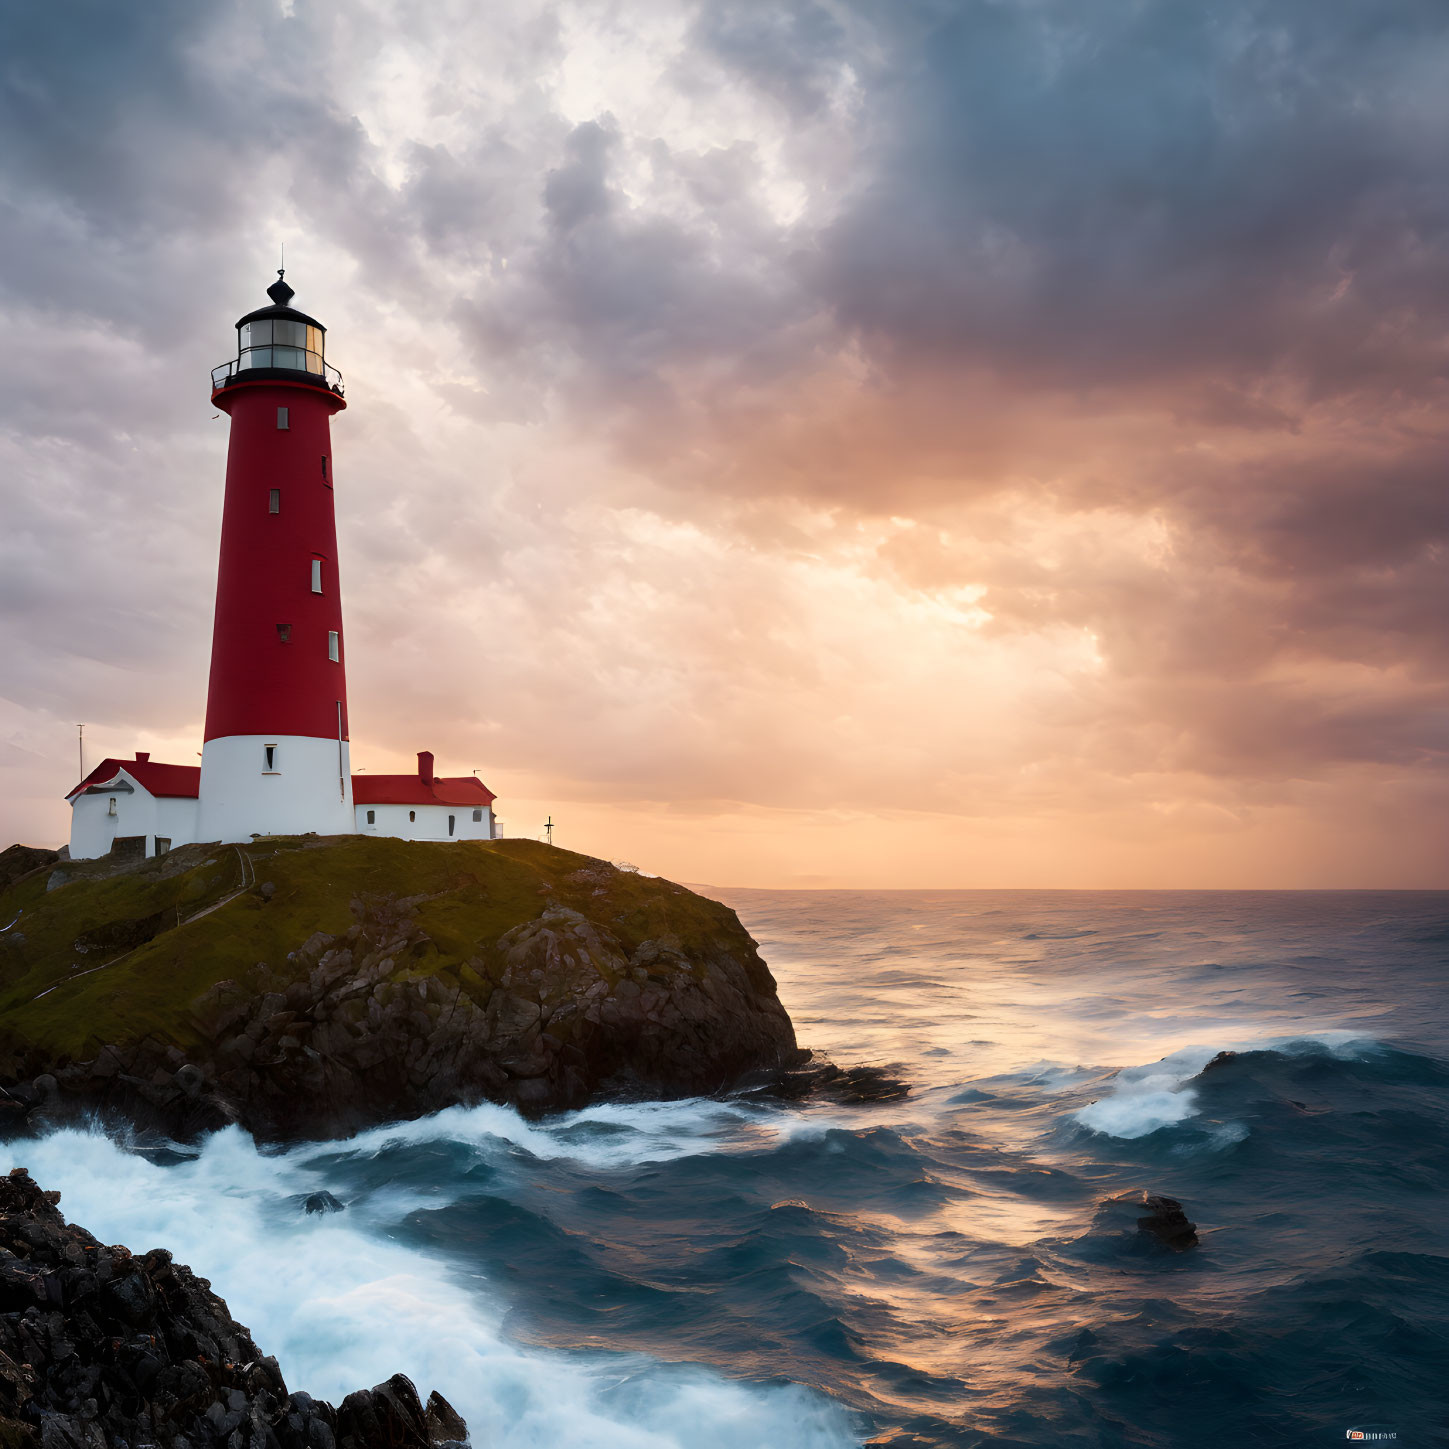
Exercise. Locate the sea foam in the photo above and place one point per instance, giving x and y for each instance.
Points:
(608, 1135)
(343, 1307)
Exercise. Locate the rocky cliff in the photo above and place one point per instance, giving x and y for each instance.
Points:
(100, 1349)
(306, 988)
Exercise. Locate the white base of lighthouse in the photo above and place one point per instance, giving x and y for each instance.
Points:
(274, 785)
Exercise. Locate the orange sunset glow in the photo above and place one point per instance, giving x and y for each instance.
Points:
(783, 447)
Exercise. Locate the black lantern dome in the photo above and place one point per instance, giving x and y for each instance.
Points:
(278, 343)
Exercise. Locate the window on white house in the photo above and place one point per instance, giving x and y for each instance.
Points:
(477, 815)
(111, 808)
(163, 844)
(269, 757)
(334, 652)
(316, 575)
(372, 817)
(282, 419)
(452, 821)
(412, 816)
(274, 501)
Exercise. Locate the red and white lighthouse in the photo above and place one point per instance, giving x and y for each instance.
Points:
(275, 759)
(275, 755)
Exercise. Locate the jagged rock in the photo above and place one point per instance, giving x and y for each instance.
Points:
(1166, 1221)
(389, 1414)
(819, 1079)
(101, 1348)
(445, 1423)
(321, 1202)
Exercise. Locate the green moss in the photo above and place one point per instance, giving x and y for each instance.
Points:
(212, 923)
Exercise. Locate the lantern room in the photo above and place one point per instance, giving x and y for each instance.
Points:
(278, 343)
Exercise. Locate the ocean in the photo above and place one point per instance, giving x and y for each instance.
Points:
(943, 1266)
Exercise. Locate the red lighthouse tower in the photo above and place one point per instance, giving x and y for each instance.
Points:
(275, 756)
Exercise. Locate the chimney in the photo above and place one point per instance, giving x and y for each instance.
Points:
(142, 756)
(425, 766)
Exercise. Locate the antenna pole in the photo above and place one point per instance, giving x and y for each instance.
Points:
(548, 828)
(80, 749)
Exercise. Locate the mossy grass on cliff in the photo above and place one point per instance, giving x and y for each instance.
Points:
(112, 958)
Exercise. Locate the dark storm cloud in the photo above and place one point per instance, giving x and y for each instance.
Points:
(133, 151)
(473, 206)
(1224, 216)
(791, 53)
(617, 304)
(84, 88)
(1110, 190)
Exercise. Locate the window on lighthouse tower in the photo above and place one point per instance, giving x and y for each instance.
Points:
(316, 575)
(333, 651)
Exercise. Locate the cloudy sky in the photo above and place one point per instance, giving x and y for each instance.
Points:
(935, 442)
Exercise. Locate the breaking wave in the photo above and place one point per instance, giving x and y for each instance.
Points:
(343, 1306)
(1145, 1099)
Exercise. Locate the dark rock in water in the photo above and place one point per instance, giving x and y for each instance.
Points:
(1165, 1220)
(853, 1085)
(321, 1202)
(445, 1423)
(100, 1348)
(504, 971)
(1135, 1225)
(1221, 1060)
(815, 1078)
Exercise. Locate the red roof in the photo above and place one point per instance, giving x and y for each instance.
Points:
(180, 781)
(413, 790)
(184, 781)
